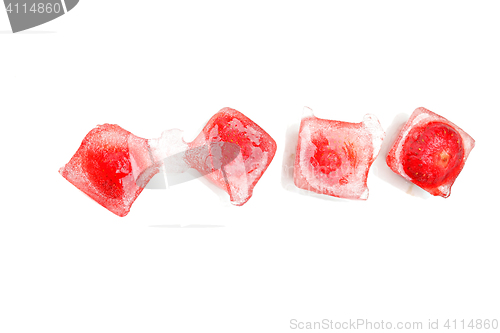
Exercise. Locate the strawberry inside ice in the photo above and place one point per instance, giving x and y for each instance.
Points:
(430, 151)
(334, 157)
(226, 130)
(433, 154)
(112, 167)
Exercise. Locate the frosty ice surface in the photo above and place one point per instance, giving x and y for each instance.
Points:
(334, 157)
(245, 157)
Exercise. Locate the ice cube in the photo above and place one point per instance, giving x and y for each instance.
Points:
(430, 151)
(334, 157)
(237, 155)
(112, 166)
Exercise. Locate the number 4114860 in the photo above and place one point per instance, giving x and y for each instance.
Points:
(36, 8)
(473, 324)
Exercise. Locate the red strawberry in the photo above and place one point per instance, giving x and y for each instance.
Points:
(229, 130)
(432, 154)
(430, 151)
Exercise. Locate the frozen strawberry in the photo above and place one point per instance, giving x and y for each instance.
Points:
(112, 166)
(334, 157)
(236, 153)
(430, 151)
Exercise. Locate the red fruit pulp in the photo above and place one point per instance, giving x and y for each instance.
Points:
(234, 128)
(106, 167)
(433, 154)
(328, 158)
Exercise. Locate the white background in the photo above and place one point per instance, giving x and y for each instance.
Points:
(185, 261)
